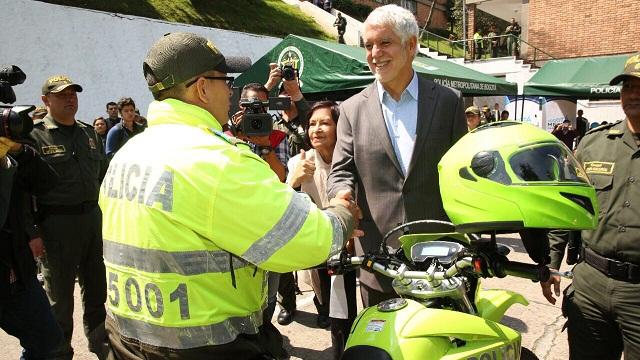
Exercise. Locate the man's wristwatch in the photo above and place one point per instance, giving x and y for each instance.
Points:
(263, 150)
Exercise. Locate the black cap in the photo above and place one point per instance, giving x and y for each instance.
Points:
(178, 57)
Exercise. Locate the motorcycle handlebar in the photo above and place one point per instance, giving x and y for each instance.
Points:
(513, 268)
(528, 271)
(409, 274)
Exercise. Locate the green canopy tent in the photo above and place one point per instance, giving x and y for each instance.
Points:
(584, 78)
(336, 71)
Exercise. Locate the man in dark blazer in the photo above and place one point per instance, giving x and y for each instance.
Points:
(391, 137)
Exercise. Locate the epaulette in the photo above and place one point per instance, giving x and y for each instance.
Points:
(38, 122)
(605, 127)
(84, 123)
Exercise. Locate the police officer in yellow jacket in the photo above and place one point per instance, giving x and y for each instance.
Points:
(193, 220)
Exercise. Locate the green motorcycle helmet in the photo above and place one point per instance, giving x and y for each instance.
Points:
(511, 176)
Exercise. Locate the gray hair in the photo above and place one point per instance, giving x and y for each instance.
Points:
(402, 21)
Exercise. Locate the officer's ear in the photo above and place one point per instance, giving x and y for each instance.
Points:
(201, 91)
(45, 100)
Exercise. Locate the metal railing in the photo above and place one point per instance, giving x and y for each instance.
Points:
(493, 47)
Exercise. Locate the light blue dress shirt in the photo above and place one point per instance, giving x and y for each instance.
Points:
(401, 119)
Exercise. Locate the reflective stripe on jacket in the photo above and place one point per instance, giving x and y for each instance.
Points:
(191, 224)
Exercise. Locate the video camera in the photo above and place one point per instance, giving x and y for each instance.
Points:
(15, 122)
(255, 120)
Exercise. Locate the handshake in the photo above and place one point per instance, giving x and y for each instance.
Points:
(345, 199)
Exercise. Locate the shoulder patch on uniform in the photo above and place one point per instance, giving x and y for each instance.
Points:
(599, 167)
(230, 139)
(605, 127)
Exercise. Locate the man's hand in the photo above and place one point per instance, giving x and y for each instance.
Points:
(275, 75)
(345, 198)
(8, 146)
(37, 247)
(554, 281)
(304, 170)
(293, 89)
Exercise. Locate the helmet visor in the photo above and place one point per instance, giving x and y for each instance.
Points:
(549, 162)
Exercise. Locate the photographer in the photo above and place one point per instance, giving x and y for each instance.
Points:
(24, 309)
(272, 148)
(296, 119)
(565, 133)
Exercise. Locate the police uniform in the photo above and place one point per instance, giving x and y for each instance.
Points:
(193, 221)
(603, 302)
(602, 305)
(70, 222)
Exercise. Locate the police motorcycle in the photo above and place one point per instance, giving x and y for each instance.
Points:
(503, 177)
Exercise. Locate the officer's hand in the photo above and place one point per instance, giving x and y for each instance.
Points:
(275, 75)
(304, 170)
(554, 281)
(8, 146)
(37, 247)
(344, 197)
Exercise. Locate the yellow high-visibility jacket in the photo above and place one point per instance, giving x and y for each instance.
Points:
(191, 223)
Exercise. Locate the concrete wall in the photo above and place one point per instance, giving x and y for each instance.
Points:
(101, 51)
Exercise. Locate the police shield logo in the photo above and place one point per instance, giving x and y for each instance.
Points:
(292, 56)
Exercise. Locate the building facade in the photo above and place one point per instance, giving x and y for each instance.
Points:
(578, 28)
(567, 29)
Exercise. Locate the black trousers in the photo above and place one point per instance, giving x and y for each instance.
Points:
(287, 291)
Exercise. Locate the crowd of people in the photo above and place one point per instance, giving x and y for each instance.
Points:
(491, 44)
(207, 222)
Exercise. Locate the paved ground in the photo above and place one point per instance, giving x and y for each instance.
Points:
(540, 323)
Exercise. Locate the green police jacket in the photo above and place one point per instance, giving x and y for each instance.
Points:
(609, 155)
(76, 154)
(192, 222)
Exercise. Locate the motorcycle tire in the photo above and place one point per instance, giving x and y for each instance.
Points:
(526, 354)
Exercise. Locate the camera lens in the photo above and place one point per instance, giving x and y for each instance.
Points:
(256, 124)
(288, 73)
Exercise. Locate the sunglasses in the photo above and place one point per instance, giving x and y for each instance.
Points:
(228, 80)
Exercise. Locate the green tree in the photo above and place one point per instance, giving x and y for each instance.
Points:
(455, 17)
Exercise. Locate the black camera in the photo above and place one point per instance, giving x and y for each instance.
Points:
(255, 120)
(289, 72)
(10, 76)
(15, 122)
